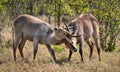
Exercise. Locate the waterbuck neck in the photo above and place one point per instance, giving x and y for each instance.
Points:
(51, 39)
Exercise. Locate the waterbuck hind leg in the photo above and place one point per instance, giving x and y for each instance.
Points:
(51, 52)
(81, 52)
(91, 45)
(20, 47)
(97, 45)
(80, 48)
(98, 50)
(96, 37)
(70, 55)
(15, 45)
(35, 46)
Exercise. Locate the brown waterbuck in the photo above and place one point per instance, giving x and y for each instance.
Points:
(87, 26)
(27, 27)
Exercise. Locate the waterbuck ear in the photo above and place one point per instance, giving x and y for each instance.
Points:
(63, 27)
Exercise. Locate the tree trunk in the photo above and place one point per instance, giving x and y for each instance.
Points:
(59, 15)
(31, 7)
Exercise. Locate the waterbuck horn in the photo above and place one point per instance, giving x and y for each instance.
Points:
(75, 35)
(66, 27)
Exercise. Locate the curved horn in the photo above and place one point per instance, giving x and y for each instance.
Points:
(75, 35)
(66, 27)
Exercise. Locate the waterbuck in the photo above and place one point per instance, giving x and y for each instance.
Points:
(27, 27)
(87, 26)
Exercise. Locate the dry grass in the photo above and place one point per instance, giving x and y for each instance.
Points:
(43, 63)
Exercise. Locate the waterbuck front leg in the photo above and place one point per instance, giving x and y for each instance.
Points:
(70, 55)
(70, 51)
(20, 47)
(51, 52)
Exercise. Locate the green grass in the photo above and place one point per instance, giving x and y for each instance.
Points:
(58, 48)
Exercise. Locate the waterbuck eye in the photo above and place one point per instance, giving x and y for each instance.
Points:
(72, 32)
(68, 35)
(65, 33)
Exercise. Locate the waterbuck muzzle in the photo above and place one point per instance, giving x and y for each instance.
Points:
(70, 45)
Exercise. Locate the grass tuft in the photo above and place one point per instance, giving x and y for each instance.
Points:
(58, 48)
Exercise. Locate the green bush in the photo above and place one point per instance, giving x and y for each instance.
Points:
(5, 45)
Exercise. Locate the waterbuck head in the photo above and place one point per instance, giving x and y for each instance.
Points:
(73, 30)
(64, 36)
